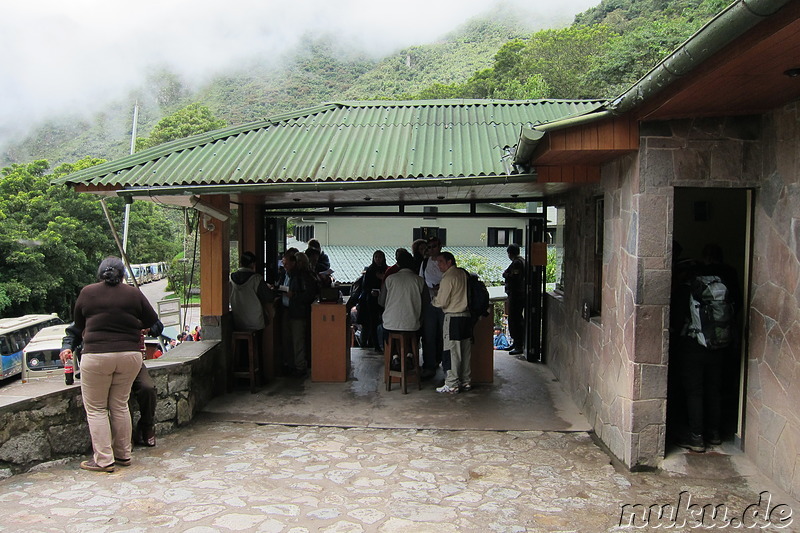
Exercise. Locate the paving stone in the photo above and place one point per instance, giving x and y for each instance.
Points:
(220, 477)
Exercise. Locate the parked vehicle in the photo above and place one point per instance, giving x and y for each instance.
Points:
(147, 272)
(40, 357)
(15, 334)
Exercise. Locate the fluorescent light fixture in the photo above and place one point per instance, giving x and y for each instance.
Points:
(212, 211)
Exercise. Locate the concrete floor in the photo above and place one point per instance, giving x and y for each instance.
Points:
(523, 396)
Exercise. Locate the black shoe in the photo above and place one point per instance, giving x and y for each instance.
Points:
(693, 442)
(144, 435)
(512, 347)
(428, 373)
(395, 364)
(515, 351)
(714, 438)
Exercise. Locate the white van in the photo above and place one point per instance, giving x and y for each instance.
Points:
(40, 357)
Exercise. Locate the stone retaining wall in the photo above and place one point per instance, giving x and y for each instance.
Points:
(53, 426)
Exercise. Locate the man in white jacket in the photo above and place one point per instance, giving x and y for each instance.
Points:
(401, 297)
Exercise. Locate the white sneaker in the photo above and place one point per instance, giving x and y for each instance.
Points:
(449, 390)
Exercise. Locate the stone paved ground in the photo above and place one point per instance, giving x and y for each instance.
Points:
(224, 476)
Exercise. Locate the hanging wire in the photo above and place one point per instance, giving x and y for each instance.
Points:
(188, 291)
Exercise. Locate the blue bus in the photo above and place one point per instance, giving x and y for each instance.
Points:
(15, 333)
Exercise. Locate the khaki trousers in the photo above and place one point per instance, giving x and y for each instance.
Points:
(106, 380)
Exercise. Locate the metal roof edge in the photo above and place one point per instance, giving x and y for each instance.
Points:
(316, 186)
(458, 102)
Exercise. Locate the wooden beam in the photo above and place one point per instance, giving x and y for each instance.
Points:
(214, 259)
(590, 144)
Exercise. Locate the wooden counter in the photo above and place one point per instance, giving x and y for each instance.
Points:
(482, 359)
(330, 346)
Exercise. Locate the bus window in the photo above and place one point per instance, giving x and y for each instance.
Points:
(5, 347)
(16, 342)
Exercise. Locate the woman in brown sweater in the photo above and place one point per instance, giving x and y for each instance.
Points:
(112, 316)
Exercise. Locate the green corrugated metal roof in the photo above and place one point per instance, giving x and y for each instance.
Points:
(347, 141)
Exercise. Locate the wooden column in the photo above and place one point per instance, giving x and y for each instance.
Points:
(214, 261)
(251, 230)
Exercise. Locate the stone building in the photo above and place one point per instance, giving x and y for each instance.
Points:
(717, 160)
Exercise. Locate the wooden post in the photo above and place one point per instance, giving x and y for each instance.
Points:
(214, 259)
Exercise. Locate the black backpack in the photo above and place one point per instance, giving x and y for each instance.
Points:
(477, 297)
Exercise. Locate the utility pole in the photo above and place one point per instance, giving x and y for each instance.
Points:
(128, 205)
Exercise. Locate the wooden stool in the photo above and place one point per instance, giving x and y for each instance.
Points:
(404, 342)
(252, 367)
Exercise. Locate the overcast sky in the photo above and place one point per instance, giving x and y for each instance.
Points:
(72, 55)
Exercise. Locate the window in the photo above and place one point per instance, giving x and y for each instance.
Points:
(504, 236)
(426, 232)
(304, 233)
(597, 263)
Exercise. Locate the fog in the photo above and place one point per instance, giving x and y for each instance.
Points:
(59, 56)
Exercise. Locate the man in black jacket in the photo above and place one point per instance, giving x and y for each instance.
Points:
(514, 277)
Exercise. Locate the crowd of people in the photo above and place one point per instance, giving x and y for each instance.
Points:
(423, 292)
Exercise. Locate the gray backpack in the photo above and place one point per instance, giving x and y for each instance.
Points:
(710, 313)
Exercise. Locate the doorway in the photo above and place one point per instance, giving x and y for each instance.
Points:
(704, 216)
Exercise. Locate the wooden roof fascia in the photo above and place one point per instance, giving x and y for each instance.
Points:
(588, 144)
(569, 174)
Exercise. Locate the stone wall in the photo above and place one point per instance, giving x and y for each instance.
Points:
(772, 417)
(615, 365)
(53, 426)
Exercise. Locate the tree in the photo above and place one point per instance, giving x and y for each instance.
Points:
(190, 120)
(50, 245)
(561, 58)
(52, 238)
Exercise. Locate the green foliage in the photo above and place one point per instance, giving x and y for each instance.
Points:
(608, 48)
(190, 120)
(551, 269)
(49, 243)
(52, 238)
(478, 264)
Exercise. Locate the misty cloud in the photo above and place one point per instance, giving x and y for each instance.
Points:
(59, 56)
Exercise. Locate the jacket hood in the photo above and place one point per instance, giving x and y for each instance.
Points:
(241, 276)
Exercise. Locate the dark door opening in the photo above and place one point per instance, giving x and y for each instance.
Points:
(701, 217)
(535, 239)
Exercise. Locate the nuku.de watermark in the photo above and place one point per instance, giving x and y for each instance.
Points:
(685, 514)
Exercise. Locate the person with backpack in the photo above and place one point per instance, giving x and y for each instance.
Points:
(703, 310)
(452, 298)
